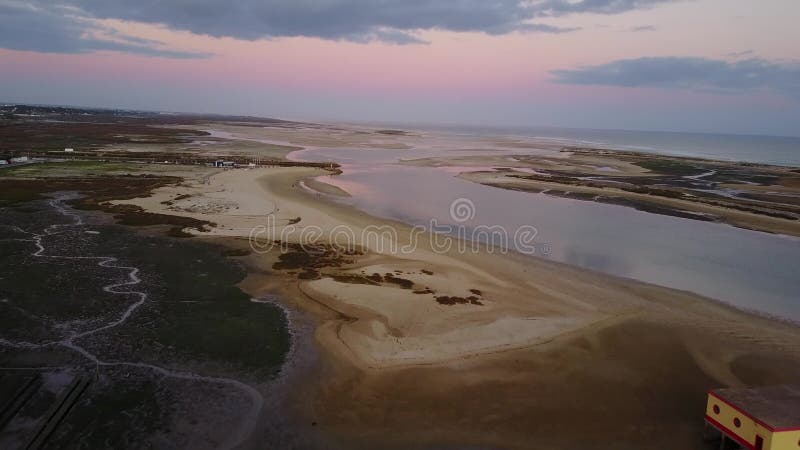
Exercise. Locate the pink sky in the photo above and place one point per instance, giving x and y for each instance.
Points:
(509, 73)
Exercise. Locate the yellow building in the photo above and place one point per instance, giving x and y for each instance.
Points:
(762, 418)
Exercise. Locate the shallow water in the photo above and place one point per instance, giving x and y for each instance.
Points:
(748, 269)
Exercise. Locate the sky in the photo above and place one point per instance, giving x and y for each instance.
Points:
(730, 66)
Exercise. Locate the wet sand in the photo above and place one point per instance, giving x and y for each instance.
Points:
(551, 356)
(317, 185)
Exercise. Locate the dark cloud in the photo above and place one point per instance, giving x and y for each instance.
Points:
(59, 30)
(690, 73)
(643, 28)
(396, 21)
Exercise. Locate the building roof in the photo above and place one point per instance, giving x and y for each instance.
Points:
(777, 407)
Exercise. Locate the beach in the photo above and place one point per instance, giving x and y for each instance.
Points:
(353, 295)
(545, 347)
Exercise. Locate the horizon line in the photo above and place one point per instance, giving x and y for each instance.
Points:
(323, 120)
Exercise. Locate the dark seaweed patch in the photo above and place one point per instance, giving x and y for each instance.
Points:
(451, 300)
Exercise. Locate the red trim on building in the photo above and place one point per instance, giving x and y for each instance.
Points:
(739, 410)
(731, 434)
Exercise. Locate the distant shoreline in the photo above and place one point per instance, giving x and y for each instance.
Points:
(736, 147)
(749, 148)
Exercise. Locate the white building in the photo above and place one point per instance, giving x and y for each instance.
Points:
(69, 150)
(3, 162)
(19, 159)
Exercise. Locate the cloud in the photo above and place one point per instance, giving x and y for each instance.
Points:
(39, 25)
(564, 7)
(643, 28)
(544, 28)
(740, 54)
(388, 35)
(27, 27)
(698, 74)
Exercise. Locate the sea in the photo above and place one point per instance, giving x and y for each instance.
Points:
(777, 150)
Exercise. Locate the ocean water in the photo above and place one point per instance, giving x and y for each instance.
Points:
(779, 150)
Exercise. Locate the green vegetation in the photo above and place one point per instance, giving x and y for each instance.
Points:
(14, 195)
(99, 132)
(195, 318)
(200, 312)
(119, 414)
(194, 311)
(98, 190)
(70, 169)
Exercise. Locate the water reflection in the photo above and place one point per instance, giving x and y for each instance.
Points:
(748, 269)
